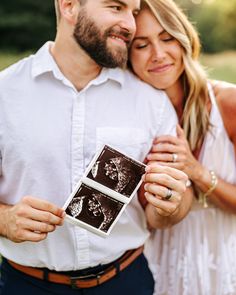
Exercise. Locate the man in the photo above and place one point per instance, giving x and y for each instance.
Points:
(56, 109)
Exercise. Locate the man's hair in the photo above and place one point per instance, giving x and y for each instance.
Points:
(57, 9)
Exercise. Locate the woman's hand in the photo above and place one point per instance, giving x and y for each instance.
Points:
(175, 152)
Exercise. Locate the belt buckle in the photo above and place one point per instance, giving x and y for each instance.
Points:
(73, 280)
(73, 283)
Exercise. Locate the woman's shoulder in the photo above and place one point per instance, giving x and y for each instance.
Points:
(225, 94)
(223, 89)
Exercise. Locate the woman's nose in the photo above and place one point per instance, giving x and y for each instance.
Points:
(158, 53)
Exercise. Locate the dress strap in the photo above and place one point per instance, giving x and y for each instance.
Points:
(211, 93)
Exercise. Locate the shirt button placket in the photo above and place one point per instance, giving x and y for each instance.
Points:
(78, 117)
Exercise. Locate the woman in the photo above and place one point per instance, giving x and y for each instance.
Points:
(198, 255)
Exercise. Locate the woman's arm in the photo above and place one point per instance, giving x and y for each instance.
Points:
(224, 194)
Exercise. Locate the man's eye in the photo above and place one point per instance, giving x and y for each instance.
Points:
(116, 7)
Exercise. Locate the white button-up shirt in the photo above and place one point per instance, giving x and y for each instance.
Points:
(49, 133)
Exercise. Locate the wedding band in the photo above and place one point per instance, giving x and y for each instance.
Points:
(168, 194)
(174, 157)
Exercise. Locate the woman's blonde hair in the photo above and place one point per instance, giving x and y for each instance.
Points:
(195, 117)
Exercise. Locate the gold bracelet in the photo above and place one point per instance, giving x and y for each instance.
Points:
(203, 196)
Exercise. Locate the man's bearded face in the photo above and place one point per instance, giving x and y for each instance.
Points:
(94, 42)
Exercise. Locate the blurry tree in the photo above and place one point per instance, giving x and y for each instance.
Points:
(228, 31)
(215, 21)
(26, 24)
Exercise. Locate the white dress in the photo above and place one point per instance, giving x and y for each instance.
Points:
(198, 255)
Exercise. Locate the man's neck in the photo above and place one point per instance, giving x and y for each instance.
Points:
(74, 63)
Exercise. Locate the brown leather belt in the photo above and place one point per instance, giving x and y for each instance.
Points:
(88, 281)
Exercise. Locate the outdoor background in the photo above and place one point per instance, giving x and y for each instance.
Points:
(26, 24)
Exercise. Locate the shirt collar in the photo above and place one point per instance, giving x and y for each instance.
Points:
(117, 75)
(44, 62)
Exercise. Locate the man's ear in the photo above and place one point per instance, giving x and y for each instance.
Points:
(69, 10)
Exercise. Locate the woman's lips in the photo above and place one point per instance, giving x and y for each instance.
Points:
(160, 69)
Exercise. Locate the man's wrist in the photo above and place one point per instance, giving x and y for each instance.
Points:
(3, 219)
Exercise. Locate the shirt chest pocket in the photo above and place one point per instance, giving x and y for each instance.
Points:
(133, 142)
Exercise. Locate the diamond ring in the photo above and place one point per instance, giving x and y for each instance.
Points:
(174, 157)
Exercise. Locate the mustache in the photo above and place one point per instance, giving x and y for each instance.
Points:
(125, 35)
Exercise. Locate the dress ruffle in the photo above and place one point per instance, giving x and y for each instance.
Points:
(198, 255)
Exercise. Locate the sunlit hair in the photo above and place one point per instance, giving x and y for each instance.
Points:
(195, 116)
(57, 10)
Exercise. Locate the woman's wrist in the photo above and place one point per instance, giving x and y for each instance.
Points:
(205, 184)
(200, 175)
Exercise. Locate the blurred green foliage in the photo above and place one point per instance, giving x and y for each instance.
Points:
(215, 21)
(220, 66)
(27, 24)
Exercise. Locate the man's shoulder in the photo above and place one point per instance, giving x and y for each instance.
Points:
(146, 95)
(133, 83)
(15, 71)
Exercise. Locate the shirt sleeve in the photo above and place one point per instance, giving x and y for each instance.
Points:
(0, 163)
(169, 120)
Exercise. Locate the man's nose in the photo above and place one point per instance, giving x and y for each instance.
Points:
(128, 23)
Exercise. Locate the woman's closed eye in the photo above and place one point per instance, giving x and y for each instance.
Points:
(140, 45)
(168, 39)
(165, 37)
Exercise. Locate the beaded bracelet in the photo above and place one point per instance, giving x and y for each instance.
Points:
(214, 181)
(188, 183)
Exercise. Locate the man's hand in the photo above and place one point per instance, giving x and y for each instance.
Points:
(29, 220)
(165, 189)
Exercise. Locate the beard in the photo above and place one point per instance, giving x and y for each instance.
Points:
(94, 43)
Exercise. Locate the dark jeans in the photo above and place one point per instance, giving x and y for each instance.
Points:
(135, 279)
(1, 283)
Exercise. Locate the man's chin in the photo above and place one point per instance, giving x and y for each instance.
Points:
(120, 60)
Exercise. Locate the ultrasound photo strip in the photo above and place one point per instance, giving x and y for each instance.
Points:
(107, 186)
(94, 210)
(115, 174)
